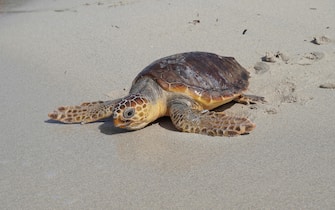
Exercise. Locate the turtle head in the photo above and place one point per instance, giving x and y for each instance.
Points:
(132, 112)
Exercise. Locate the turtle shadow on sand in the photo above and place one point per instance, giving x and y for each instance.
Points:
(51, 121)
(108, 127)
(165, 122)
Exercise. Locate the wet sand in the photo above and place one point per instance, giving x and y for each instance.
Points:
(62, 53)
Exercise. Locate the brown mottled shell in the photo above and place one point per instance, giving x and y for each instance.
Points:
(206, 77)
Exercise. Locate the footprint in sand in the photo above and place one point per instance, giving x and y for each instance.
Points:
(321, 40)
(276, 57)
(310, 58)
(261, 67)
(305, 59)
(270, 57)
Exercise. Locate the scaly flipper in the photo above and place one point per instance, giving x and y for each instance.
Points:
(84, 113)
(188, 119)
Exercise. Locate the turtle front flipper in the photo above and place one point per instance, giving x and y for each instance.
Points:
(188, 119)
(84, 113)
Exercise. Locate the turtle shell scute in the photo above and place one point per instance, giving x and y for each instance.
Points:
(206, 77)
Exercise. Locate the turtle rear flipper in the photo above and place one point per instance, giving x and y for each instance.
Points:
(207, 122)
(84, 113)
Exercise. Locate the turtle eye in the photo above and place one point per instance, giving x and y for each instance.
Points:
(129, 112)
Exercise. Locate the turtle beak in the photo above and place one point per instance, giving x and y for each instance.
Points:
(120, 124)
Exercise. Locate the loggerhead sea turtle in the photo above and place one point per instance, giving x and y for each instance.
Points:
(183, 86)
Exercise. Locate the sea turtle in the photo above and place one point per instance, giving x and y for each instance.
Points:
(183, 86)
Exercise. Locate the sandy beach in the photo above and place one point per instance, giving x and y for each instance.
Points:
(63, 52)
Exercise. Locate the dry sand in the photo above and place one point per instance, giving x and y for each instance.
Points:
(64, 52)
